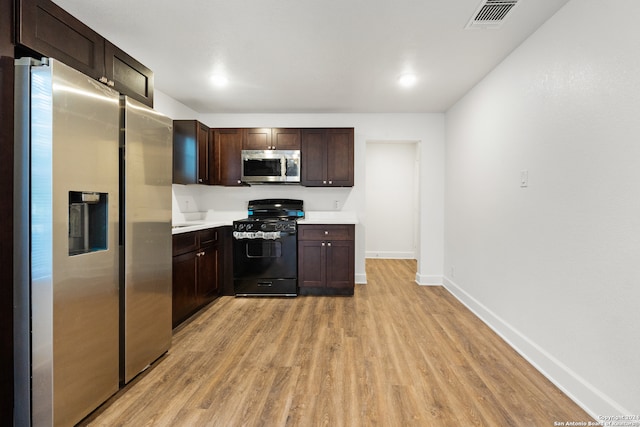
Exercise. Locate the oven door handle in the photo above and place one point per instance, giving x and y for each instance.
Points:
(260, 235)
(265, 284)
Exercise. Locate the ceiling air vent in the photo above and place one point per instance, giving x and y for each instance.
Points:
(491, 13)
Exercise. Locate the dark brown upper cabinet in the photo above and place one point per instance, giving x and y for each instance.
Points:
(327, 157)
(285, 138)
(47, 29)
(271, 139)
(256, 139)
(128, 75)
(226, 156)
(191, 152)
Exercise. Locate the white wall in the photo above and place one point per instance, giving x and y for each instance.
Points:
(426, 128)
(392, 199)
(554, 267)
(171, 108)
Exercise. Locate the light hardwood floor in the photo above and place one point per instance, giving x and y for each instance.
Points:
(395, 354)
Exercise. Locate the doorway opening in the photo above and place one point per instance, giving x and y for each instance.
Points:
(392, 200)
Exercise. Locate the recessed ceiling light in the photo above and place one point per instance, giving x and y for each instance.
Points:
(219, 80)
(407, 80)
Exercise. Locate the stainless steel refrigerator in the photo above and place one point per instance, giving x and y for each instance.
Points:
(72, 304)
(146, 257)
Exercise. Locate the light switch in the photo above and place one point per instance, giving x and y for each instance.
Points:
(524, 178)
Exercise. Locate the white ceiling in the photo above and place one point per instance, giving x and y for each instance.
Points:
(311, 56)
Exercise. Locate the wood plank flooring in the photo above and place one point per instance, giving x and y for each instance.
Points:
(395, 354)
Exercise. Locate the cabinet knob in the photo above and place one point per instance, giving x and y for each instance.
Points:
(103, 79)
(326, 232)
(111, 83)
(199, 179)
(322, 243)
(324, 182)
(330, 182)
(329, 244)
(239, 182)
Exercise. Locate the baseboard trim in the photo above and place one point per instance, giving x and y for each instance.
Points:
(575, 387)
(425, 280)
(390, 255)
(361, 279)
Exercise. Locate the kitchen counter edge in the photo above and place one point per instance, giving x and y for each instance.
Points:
(199, 226)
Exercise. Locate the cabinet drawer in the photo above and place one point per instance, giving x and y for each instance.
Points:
(326, 232)
(208, 236)
(185, 242)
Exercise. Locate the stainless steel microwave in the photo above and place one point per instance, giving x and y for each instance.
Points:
(270, 166)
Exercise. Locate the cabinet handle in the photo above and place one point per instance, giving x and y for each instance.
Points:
(111, 83)
(324, 182)
(199, 179)
(239, 182)
(104, 80)
(322, 243)
(326, 232)
(329, 244)
(330, 182)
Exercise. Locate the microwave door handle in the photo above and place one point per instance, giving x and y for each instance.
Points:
(283, 166)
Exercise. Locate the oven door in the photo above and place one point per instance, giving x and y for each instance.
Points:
(265, 266)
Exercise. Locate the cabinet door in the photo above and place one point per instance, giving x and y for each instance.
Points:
(203, 154)
(311, 263)
(129, 76)
(340, 264)
(184, 287)
(340, 157)
(51, 31)
(208, 267)
(285, 138)
(185, 152)
(257, 139)
(313, 158)
(227, 156)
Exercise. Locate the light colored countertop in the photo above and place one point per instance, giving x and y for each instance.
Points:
(329, 217)
(219, 219)
(204, 220)
(186, 227)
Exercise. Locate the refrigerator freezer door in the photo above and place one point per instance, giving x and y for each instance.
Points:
(74, 148)
(146, 150)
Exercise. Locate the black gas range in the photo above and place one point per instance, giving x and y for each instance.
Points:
(265, 248)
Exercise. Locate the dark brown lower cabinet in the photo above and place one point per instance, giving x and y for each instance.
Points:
(209, 264)
(199, 272)
(326, 259)
(184, 299)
